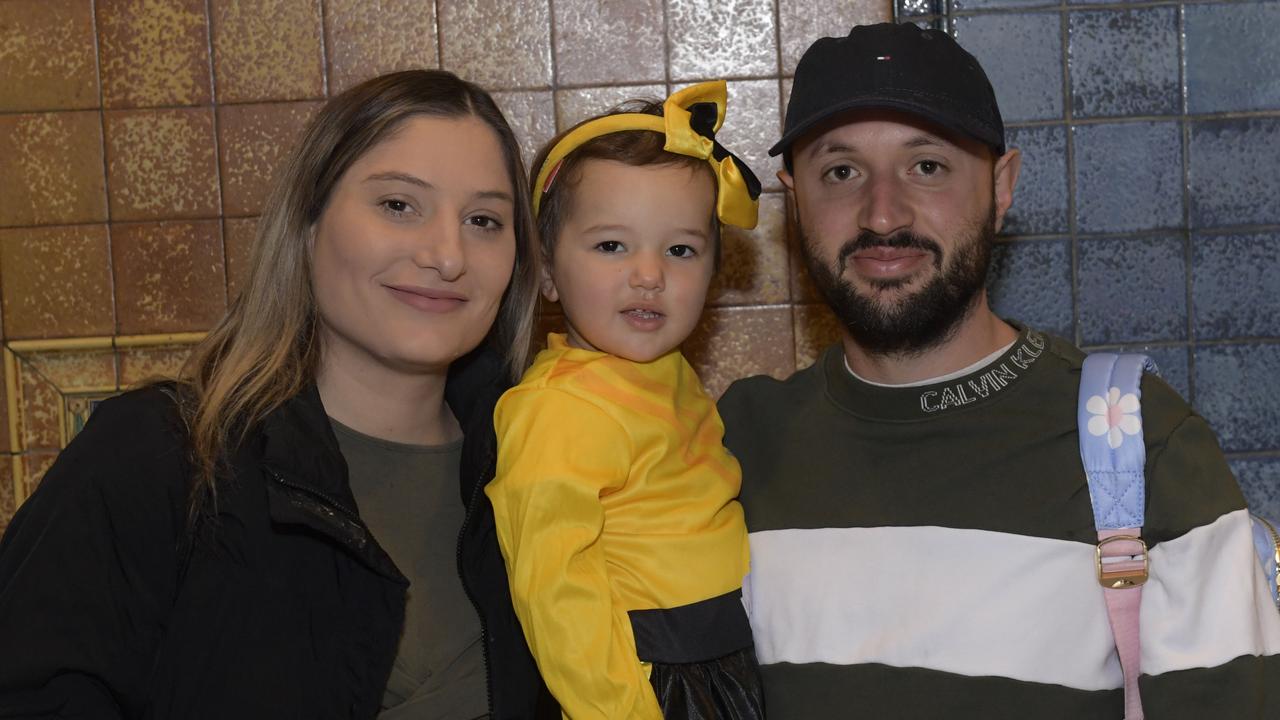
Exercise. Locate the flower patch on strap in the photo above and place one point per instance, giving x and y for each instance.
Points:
(1115, 416)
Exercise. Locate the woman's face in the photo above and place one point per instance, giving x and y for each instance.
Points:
(415, 248)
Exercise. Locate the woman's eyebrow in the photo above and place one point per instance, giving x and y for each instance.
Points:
(399, 177)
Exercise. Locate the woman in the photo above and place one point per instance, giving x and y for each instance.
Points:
(196, 552)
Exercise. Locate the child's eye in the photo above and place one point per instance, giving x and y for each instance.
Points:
(681, 251)
(609, 246)
(485, 222)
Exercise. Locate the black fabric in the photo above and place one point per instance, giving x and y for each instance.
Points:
(727, 688)
(696, 632)
(283, 607)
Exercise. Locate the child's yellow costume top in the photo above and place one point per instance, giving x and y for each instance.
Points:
(614, 494)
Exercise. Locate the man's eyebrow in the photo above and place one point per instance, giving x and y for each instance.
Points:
(830, 147)
(926, 141)
(399, 177)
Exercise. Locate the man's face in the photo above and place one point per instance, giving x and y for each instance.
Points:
(897, 219)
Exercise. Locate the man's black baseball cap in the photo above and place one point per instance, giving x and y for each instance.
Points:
(893, 67)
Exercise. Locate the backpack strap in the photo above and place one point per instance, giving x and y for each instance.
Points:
(1114, 455)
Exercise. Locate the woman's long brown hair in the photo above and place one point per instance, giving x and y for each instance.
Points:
(266, 349)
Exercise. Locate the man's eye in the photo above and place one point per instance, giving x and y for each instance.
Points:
(609, 246)
(929, 167)
(681, 251)
(840, 173)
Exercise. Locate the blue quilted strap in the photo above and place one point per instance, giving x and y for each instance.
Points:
(1111, 444)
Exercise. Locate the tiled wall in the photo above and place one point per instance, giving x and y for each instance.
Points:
(137, 138)
(1148, 214)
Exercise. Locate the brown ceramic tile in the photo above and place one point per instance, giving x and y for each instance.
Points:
(161, 164)
(56, 282)
(47, 56)
(732, 343)
(751, 127)
(169, 276)
(497, 44)
(532, 116)
(574, 106)
(154, 53)
(142, 365)
(721, 38)
(35, 465)
(364, 39)
(74, 370)
(6, 442)
(237, 238)
(816, 329)
(753, 263)
(8, 501)
(587, 38)
(801, 23)
(253, 141)
(40, 408)
(267, 50)
(51, 169)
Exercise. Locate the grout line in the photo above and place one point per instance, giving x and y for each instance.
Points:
(106, 185)
(1254, 455)
(1187, 248)
(325, 66)
(439, 38)
(1069, 126)
(555, 69)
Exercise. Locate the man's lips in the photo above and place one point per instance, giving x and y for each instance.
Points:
(428, 299)
(884, 262)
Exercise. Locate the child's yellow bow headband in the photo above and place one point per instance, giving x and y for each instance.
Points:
(690, 119)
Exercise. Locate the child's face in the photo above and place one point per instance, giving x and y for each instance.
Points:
(634, 258)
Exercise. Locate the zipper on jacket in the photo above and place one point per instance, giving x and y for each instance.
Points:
(330, 500)
(476, 492)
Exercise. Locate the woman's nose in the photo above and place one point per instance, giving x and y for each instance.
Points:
(440, 247)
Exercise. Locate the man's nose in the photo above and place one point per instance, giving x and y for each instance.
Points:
(885, 209)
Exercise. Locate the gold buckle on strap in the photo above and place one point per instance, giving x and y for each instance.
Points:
(1124, 576)
(1275, 539)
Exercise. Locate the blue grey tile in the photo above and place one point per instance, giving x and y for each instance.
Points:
(1040, 199)
(1124, 62)
(914, 8)
(1030, 281)
(988, 4)
(1132, 289)
(1235, 286)
(1173, 363)
(1259, 478)
(1128, 176)
(1233, 172)
(1237, 392)
(1022, 55)
(1232, 56)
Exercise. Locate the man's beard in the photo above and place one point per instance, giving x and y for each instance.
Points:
(921, 320)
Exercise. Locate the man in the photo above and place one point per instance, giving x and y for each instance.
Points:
(921, 532)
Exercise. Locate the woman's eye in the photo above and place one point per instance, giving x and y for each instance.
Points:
(396, 207)
(681, 251)
(609, 246)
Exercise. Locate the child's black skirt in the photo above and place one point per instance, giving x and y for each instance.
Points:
(727, 688)
(703, 659)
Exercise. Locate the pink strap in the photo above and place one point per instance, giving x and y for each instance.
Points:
(1122, 610)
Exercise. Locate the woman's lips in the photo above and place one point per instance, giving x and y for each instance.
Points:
(427, 299)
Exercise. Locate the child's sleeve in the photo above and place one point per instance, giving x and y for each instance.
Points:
(557, 454)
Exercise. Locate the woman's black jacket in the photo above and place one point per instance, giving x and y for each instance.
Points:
(280, 605)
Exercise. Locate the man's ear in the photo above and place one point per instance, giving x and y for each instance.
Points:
(1005, 177)
(784, 177)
